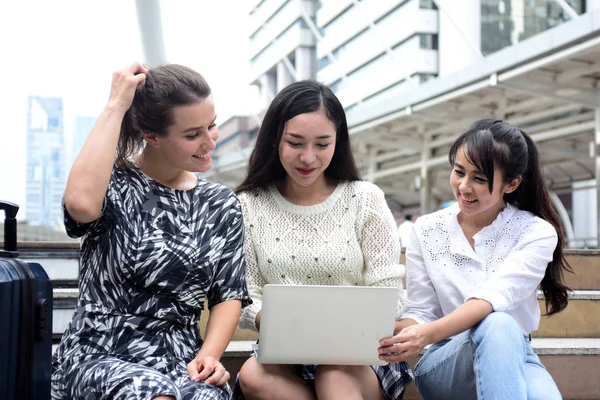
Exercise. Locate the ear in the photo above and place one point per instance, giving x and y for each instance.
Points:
(512, 186)
(151, 138)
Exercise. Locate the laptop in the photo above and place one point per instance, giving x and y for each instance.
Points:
(328, 325)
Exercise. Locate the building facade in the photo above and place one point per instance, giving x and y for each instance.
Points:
(412, 74)
(364, 50)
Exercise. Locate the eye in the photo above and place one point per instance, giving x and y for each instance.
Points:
(323, 145)
(212, 126)
(294, 144)
(459, 173)
(192, 136)
(479, 179)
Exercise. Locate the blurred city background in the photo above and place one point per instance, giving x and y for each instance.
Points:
(412, 75)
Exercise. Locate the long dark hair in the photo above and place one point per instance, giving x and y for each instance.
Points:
(166, 87)
(298, 98)
(491, 144)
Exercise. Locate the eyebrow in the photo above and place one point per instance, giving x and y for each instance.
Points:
(197, 128)
(478, 172)
(298, 136)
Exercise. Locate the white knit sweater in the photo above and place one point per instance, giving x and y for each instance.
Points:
(349, 239)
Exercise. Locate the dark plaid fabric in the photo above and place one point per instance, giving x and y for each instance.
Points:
(148, 265)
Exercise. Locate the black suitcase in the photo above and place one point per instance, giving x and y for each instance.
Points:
(25, 320)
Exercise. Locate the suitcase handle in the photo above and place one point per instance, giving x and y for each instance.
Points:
(10, 228)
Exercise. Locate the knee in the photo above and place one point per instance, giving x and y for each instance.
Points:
(543, 392)
(254, 379)
(335, 374)
(498, 326)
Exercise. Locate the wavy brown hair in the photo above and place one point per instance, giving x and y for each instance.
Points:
(166, 87)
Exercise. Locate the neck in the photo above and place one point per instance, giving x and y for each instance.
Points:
(154, 165)
(480, 221)
(316, 193)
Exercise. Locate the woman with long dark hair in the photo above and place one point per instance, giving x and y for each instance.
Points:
(310, 220)
(473, 272)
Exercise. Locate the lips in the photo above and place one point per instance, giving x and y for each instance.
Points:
(467, 201)
(305, 171)
(204, 156)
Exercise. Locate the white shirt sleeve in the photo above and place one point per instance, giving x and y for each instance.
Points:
(519, 275)
(254, 278)
(422, 303)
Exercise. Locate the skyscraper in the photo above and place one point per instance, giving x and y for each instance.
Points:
(46, 170)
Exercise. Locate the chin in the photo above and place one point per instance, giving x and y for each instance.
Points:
(304, 183)
(204, 168)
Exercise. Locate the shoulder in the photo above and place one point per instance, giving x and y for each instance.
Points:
(217, 195)
(121, 175)
(437, 219)
(126, 184)
(530, 225)
(252, 197)
(365, 190)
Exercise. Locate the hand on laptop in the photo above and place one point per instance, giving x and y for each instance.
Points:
(407, 344)
(208, 370)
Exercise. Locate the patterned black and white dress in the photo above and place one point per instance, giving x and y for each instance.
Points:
(147, 266)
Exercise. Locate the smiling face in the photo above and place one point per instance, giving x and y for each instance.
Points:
(471, 190)
(306, 148)
(191, 137)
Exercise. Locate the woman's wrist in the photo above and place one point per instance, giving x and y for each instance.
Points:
(432, 332)
(206, 351)
(113, 107)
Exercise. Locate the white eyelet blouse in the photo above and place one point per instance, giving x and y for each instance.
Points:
(505, 268)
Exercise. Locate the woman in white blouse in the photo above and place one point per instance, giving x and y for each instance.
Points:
(473, 272)
(310, 220)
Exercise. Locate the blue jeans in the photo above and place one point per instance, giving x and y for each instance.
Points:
(493, 360)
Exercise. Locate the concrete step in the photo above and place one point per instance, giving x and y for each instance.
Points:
(573, 363)
(574, 321)
(579, 319)
(61, 261)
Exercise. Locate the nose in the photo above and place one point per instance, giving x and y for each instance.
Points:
(464, 185)
(209, 144)
(307, 156)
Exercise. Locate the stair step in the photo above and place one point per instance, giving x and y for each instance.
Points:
(61, 261)
(542, 347)
(573, 363)
(59, 268)
(574, 321)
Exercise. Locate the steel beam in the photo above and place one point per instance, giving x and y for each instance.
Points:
(151, 32)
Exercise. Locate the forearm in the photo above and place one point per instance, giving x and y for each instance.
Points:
(219, 330)
(464, 317)
(91, 171)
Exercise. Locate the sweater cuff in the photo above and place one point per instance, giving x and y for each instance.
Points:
(499, 302)
(248, 316)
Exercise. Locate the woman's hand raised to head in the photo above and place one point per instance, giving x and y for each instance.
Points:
(124, 83)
